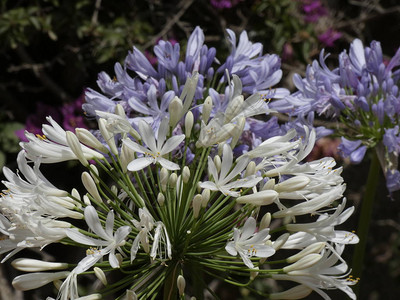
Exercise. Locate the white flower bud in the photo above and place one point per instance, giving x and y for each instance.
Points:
(107, 135)
(114, 190)
(127, 155)
(303, 263)
(253, 275)
(175, 111)
(292, 184)
(86, 200)
(197, 205)
(130, 295)
(75, 146)
(237, 133)
(297, 292)
(172, 179)
(234, 107)
(280, 241)
(119, 258)
(186, 174)
(189, 120)
(206, 111)
(100, 275)
(94, 172)
(250, 169)
(86, 137)
(181, 283)
(164, 175)
(90, 186)
(161, 199)
(265, 221)
(32, 281)
(205, 194)
(313, 248)
(217, 162)
(260, 198)
(34, 265)
(269, 185)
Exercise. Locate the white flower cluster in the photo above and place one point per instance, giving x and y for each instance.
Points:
(161, 217)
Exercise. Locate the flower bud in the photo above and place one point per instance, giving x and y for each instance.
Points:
(217, 162)
(32, 281)
(100, 275)
(250, 169)
(292, 184)
(127, 155)
(94, 172)
(161, 199)
(234, 107)
(87, 138)
(172, 179)
(34, 265)
(280, 241)
(90, 186)
(185, 174)
(205, 194)
(91, 297)
(181, 283)
(76, 148)
(189, 121)
(197, 205)
(107, 135)
(260, 198)
(175, 111)
(303, 263)
(313, 248)
(237, 133)
(130, 295)
(269, 185)
(207, 107)
(164, 175)
(86, 200)
(265, 221)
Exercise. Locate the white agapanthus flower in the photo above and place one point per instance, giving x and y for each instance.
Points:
(110, 240)
(156, 148)
(224, 180)
(248, 243)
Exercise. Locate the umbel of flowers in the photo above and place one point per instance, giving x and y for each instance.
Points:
(363, 94)
(174, 197)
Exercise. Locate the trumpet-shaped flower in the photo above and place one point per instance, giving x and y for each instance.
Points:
(156, 148)
(249, 243)
(224, 180)
(110, 240)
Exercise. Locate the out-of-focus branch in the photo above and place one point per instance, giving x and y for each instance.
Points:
(184, 4)
(42, 76)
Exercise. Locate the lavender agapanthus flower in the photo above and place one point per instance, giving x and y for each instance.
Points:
(362, 93)
(145, 90)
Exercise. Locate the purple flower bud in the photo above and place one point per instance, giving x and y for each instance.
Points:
(352, 150)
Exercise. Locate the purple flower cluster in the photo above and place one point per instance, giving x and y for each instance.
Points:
(221, 4)
(70, 115)
(145, 90)
(313, 10)
(363, 94)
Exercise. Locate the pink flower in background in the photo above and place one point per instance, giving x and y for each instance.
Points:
(70, 115)
(329, 37)
(313, 10)
(73, 114)
(224, 3)
(34, 121)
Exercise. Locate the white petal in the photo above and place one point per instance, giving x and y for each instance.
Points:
(93, 221)
(139, 163)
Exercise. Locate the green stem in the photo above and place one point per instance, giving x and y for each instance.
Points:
(365, 218)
